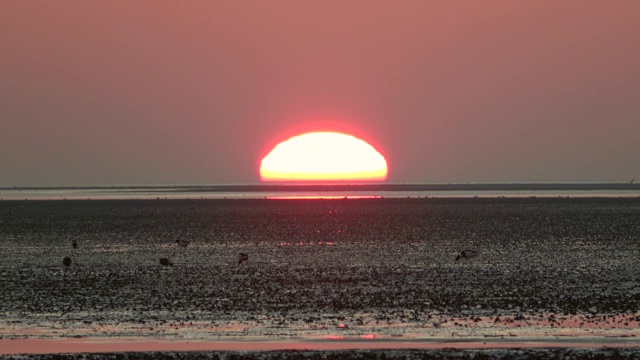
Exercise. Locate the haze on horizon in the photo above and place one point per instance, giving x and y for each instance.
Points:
(163, 92)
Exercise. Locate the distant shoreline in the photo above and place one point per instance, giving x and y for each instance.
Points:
(353, 187)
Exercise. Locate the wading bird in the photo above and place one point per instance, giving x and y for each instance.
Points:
(67, 261)
(165, 262)
(467, 254)
(242, 257)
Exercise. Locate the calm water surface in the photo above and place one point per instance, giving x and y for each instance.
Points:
(206, 193)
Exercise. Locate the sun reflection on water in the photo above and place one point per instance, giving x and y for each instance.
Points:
(321, 243)
(320, 197)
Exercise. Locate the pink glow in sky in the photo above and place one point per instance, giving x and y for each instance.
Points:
(197, 92)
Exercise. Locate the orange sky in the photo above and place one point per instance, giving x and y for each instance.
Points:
(120, 92)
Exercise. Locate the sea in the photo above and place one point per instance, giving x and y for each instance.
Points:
(163, 278)
(350, 191)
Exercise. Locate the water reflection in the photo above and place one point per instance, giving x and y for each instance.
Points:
(221, 192)
(321, 196)
(319, 243)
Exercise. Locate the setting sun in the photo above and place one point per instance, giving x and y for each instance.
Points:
(323, 156)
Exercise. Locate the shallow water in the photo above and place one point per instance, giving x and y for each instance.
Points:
(320, 192)
(330, 270)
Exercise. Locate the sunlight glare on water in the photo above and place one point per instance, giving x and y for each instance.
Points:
(207, 192)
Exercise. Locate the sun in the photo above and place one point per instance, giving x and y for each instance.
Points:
(323, 157)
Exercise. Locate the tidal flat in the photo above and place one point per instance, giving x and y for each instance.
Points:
(363, 276)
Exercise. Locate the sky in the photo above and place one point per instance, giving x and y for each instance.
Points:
(197, 92)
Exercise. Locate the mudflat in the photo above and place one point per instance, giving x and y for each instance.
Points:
(324, 275)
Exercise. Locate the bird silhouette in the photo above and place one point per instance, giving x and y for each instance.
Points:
(165, 262)
(67, 261)
(242, 257)
(74, 244)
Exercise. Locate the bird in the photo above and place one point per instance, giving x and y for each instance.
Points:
(74, 244)
(467, 254)
(242, 257)
(67, 261)
(165, 262)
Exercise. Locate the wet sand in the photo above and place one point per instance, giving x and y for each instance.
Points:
(271, 348)
(322, 275)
